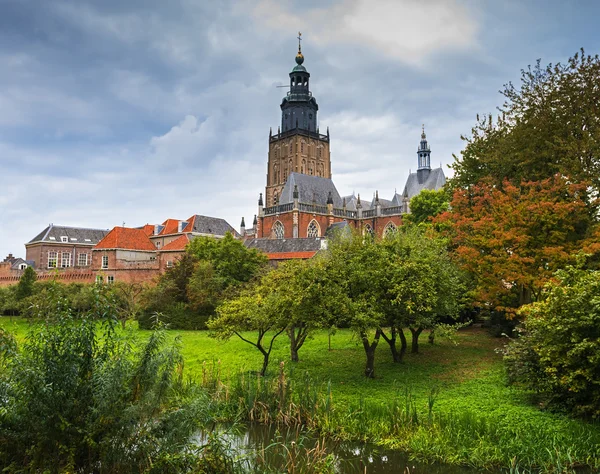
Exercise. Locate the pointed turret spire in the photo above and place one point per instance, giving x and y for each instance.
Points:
(255, 221)
(358, 204)
(260, 200)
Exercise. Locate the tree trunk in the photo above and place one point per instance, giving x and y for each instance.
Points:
(415, 339)
(265, 362)
(370, 352)
(403, 343)
(431, 337)
(396, 356)
(296, 340)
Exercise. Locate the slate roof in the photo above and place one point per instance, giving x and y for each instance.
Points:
(272, 246)
(127, 239)
(209, 225)
(75, 235)
(310, 188)
(397, 200)
(18, 261)
(434, 181)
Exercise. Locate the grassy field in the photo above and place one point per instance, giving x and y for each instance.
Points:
(476, 418)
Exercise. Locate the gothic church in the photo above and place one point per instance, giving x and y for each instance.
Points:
(300, 199)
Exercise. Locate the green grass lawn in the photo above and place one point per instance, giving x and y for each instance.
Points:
(486, 421)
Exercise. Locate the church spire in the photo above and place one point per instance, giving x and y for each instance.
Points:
(424, 152)
(299, 108)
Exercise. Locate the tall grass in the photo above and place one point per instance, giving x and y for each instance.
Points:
(405, 422)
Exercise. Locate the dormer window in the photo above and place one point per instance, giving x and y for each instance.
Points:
(73, 239)
(64, 238)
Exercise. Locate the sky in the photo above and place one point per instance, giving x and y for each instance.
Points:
(135, 111)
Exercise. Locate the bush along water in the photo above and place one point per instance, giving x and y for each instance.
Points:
(80, 396)
(404, 422)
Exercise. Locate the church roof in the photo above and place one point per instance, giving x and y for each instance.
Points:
(435, 180)
(310, 188)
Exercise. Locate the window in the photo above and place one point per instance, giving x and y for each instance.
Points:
(52, 259)
(278, 230)
(65, 261)
(22, 266)
(110, 279)
(99, 279)
(64, 238)
(83, 260)
(73, 239)
(158, 244)
(52, 238)
(390, 230)
(169, 263)
(368, 231)
(291, 148)
(313, 229)
(104, 261)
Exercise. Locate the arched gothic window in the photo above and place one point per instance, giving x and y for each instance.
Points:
(368, 231)
(278, 230)
(313, 229)
(389, 230)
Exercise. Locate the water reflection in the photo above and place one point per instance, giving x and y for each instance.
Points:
(262, 445)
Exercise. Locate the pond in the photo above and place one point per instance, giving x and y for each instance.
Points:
(262, 445)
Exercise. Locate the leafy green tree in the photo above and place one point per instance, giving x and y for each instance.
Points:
(549, 125)
(424, 285)
(256, 310)
(559, 352)
(426, 205)
(308, 299)
(358, 267)
(210, 271)
(26, 283)
(231, 259)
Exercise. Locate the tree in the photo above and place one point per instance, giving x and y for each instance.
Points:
(257, 310)
(513, 238)
(424, 285)
(550, 125)
(231, 259)
(426, 205)
(26, 284)
(308, 298)
(559, 352)
(358, 266)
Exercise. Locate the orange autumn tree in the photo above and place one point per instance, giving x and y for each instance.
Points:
(513, 238)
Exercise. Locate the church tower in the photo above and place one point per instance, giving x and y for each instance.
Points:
(298, 146)
(424, 155)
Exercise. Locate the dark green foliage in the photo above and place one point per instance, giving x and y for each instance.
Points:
(25, 285)
(211, 270)
(80, 398)
(550, 125)
(426, 205)
(559, 352)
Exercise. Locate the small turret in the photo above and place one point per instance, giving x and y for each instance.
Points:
(260, 206)
(424, 158)
(243, 228)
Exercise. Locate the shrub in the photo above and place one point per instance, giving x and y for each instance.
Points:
(559, 352)
(79, 397)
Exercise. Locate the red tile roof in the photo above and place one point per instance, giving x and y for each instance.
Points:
(290, 255)
(170, 227)
(178, 244)
(126, 238)
(148, 229)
